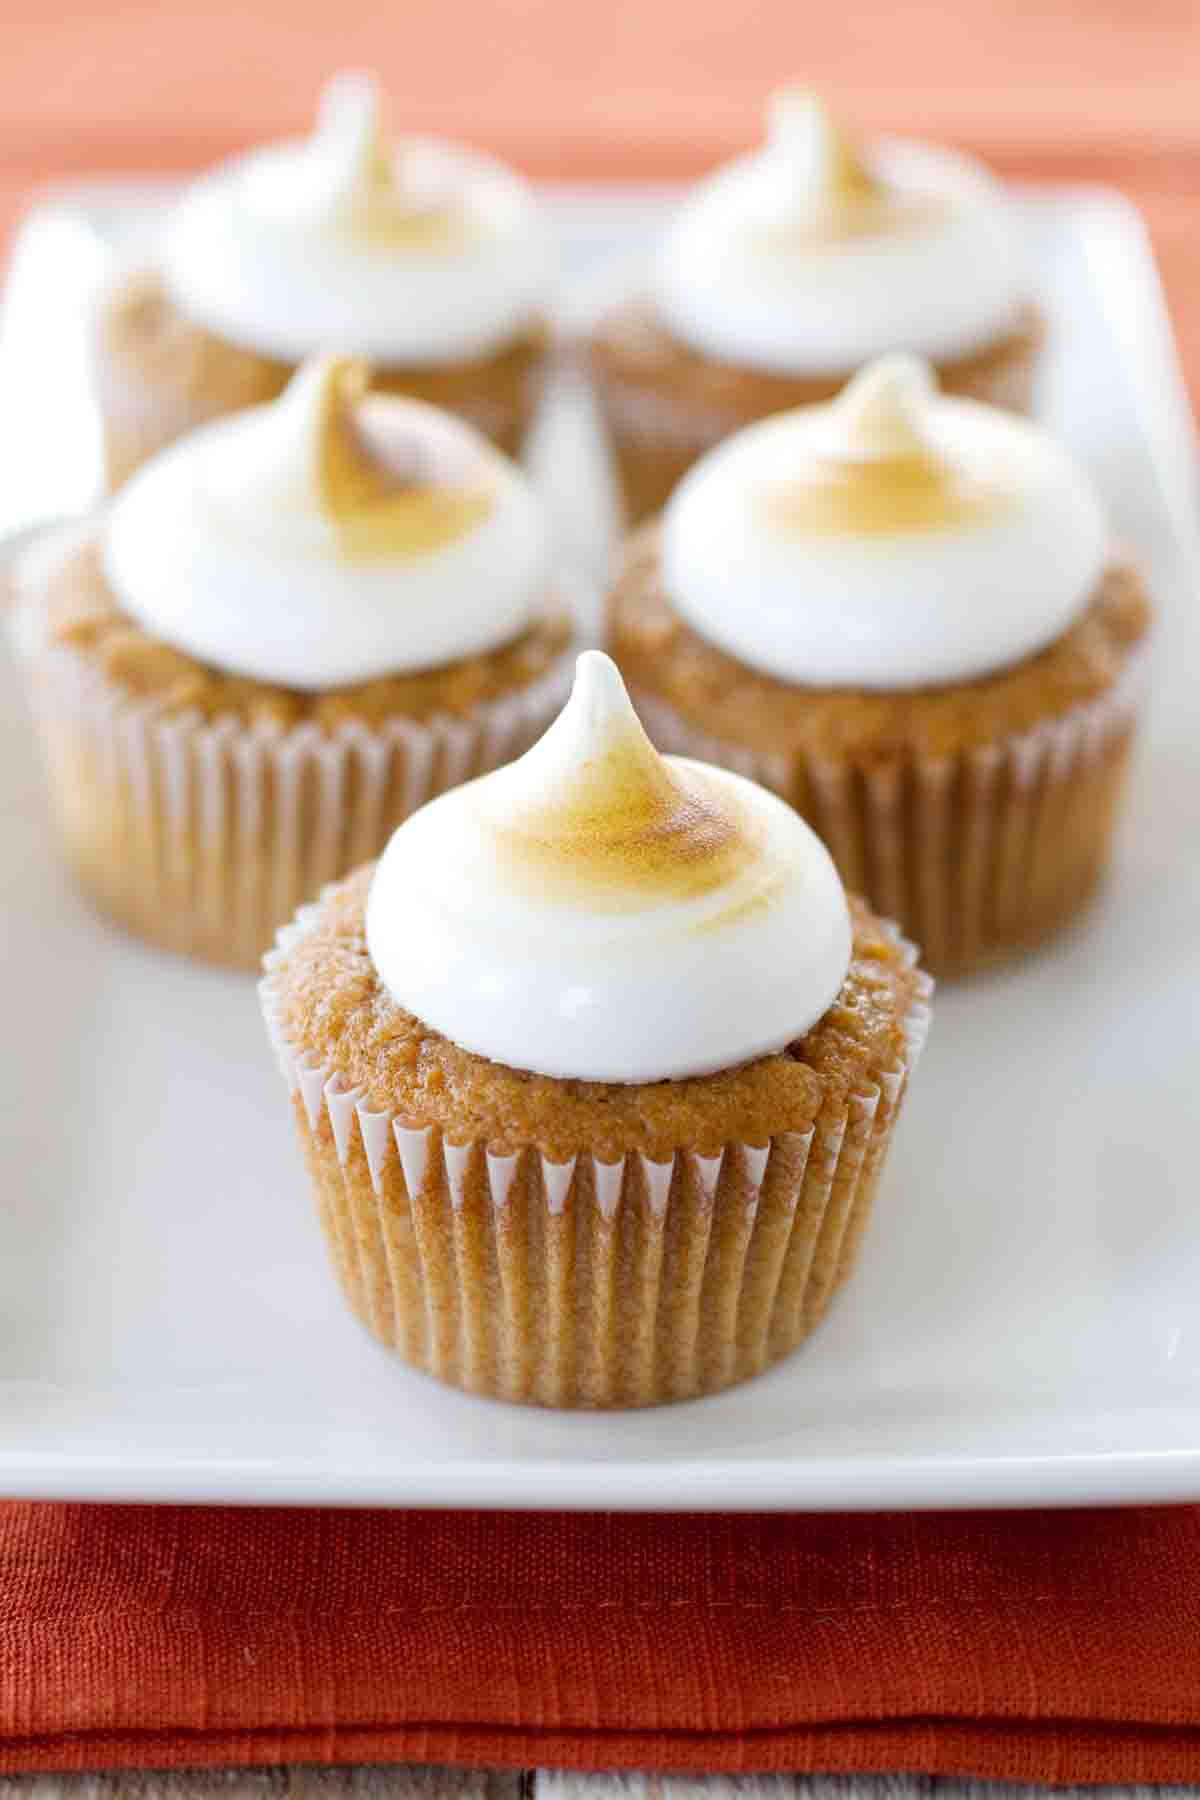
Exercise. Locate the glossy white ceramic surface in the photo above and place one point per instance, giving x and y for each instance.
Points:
(1024, 1327)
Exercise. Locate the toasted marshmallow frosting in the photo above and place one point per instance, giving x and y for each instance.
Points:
(809, 257)
(599, 912)
(332, 537)
(893, 539)
(423, 253)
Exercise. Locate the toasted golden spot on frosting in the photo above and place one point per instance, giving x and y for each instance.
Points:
(378, 487)
(801, 124)
(880, 214)
(370, 200)
(848, 180)
(629, 824)
(909, 493)
(839, 196)
(878, 470)
(613, 820)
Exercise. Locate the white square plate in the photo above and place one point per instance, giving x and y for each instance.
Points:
(1025, 1325)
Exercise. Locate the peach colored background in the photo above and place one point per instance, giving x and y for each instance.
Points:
(1094, 88)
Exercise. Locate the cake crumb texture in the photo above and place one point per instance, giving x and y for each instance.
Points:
(334, 1010)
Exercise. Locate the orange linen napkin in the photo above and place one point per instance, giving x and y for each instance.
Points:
(1061, 1647)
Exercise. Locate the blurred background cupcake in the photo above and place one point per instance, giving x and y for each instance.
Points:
(283, 634)
(426, 258)
(595, 1072)
(790, 268)
(904, 613)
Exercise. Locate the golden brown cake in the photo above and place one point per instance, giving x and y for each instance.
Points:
(422, 257)
(788, 270)
(576, 1241)
(977, 811)
(200, 802)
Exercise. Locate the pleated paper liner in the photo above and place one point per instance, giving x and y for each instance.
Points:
(655, 436)
(588, 1283)
(205, 836)
(979, 856)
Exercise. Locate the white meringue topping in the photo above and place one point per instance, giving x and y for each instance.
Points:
(893, 539)
(424, 254)
(599, 912)
(809, 258)
(331, 537)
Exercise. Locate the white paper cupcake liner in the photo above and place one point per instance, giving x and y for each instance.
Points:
(206, 835)
(587, 1283)
(977, 856)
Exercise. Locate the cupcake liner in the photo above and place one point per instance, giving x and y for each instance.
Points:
(979, 855)
(204, 836)
(586, 1283)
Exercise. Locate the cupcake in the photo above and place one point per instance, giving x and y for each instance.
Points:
(791, 268)
(595, 1071)
(426, 259)
(284, 633)
(903, 612)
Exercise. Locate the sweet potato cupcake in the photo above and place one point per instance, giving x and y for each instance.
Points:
(904, 613)
(595, 1072)
(284, 633)
(788, 270)
(425, 258)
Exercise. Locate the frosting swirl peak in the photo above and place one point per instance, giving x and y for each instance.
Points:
(415, 254)
(597, 814)
(601, 912)
(349, 152)
(804, 134)
(811, 255)
(384, 483)
(881, 415)
(895, 538)
(332, 537)
(877, 468)
(370, 192)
